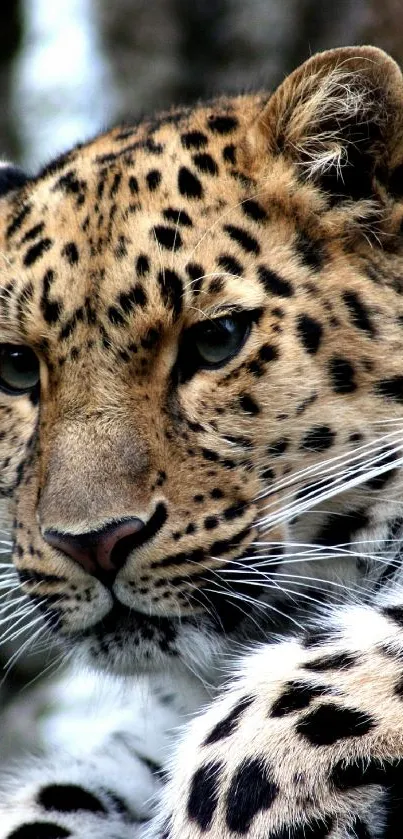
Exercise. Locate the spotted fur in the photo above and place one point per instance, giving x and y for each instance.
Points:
(222, 485)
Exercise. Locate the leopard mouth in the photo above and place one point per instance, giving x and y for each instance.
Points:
(139, 635)
(126, 641)
(121, 618)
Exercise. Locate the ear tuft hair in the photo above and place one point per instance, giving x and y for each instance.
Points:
(339, 118)
(11, 178)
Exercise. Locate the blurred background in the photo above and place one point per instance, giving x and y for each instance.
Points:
(69, 68)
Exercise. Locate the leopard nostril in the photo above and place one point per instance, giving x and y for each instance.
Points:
(102, 553)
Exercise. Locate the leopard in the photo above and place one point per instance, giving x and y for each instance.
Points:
(201, 416)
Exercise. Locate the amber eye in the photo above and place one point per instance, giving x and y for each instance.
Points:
(19, 369)
(217, 341)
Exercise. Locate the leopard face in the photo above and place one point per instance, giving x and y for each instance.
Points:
(201, 339)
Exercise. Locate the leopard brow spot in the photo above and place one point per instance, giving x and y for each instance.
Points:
(18, 220)
(273, 283)
(133, 185)
(222, 124)
(142, 265)
(318, 438)
(247, 242)
(167, 237)
(229, 264)
(205, 163)
(310, 251)
(310, 333)
(228, 724)
(36, 251)
(342, 375)
(194, 140)
(171, 288)
(177, 216)
(359, 313)
(70, 252)
(135, 296)
(153, 179)
(33, 232)
(229, 153)
(188, 184)
(253, 210)
(115, 185)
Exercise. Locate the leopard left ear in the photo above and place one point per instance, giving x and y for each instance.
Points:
(339, 118)
(11, 178)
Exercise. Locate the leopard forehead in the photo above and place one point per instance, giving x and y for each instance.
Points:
(163, 226)
(121, 244)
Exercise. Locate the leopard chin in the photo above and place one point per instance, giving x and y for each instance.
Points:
(128, 640)
(130, 643)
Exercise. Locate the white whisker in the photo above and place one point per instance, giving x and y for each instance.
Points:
(331, 465)
(253, 601)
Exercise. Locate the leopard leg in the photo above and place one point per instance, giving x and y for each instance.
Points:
(103, 779)
(307, 742)
(108, 794)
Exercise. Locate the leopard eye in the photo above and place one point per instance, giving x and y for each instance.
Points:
(217, 341)
(19, 369)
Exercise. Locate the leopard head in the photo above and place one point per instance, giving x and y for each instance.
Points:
(201, 343)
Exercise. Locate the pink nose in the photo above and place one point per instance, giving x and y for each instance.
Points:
(102, 553)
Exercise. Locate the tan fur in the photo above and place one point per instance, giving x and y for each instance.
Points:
(99, 454)
(317, 254)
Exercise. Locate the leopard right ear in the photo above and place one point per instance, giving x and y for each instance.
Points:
(11, 178)
(339, 119)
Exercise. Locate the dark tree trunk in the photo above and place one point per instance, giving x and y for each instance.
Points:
(10, 41)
